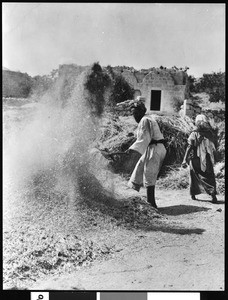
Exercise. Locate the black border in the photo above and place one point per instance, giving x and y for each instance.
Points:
(204, 295)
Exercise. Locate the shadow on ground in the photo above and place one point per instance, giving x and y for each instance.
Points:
(130, 212)
(177, 210)
(209, 201)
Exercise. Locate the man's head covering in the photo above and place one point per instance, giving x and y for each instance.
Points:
(138, 107)
(138, 110)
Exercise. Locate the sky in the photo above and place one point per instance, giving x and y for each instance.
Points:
(37, 37)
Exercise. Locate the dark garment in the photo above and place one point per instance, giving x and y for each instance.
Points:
(208, 133)
(200, 181)
(155, 142)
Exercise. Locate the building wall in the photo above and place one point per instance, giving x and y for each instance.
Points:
(172, 83)
(163, 80)
(189, 109)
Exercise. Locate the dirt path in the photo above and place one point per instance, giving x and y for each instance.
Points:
(159, 260)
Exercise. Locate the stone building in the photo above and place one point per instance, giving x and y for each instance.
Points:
(163, 89)
(189, 108)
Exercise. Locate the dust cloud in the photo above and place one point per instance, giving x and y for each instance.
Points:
(50, 151)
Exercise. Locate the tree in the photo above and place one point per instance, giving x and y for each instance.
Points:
(213, 84)
(16, 84)
(192, 83)
(120, 88)
(41, 84)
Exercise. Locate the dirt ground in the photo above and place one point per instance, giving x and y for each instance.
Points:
(55, 241)
(156, 259)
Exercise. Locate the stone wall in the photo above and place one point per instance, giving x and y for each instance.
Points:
(172, 83)
(189, 108)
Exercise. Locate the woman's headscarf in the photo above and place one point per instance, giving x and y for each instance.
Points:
(201, 121)
(204, 127)
(208, 140)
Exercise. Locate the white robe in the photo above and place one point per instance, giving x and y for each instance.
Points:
(147, 168)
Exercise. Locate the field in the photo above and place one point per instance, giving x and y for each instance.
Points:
(71, 222)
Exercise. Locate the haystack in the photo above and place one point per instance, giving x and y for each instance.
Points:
(119, 133)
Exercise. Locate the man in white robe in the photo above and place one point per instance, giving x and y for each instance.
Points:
(150, 144)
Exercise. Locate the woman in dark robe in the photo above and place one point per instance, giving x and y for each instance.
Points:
(200, 157)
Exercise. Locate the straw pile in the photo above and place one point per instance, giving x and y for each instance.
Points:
(119, 133)
(176, 130)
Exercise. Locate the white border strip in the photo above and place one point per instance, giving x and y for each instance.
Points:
(173, 296)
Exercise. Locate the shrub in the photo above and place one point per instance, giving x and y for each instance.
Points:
(41, 84)
(97, 81)
(16, 84)
(213, 84)
(192, 83)
(120, 88)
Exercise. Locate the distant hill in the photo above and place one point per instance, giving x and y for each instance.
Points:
(21, 85)
(15, 84)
